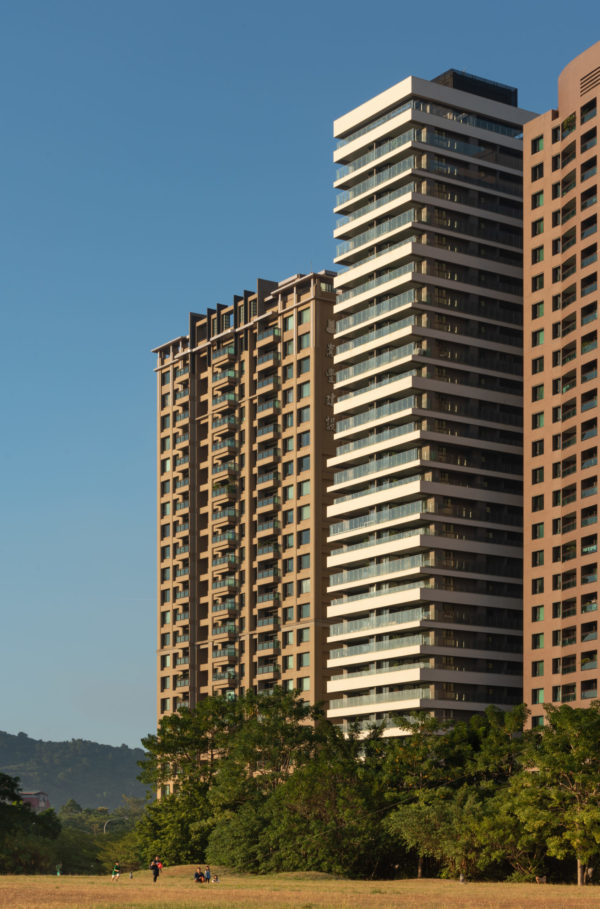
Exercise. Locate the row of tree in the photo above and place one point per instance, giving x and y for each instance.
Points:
(266, 783)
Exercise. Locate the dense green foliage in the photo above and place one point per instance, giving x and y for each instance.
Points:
(91, 774)
(27, 840)
(266, 783)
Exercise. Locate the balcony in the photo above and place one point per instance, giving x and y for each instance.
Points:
(268, 621)
(268, 455)
(273, 646)
(267, 407)
(181, 616)
(182, 438)
(225, 628)
(182, 527)
(224, 653)
(182, 660)
(180, 482)
(229, 605)
(183, 505)
(182, 638)
(268, 432)
(182, 371)
(268, 598)
(180, 462)
(183, 682)
(268, 669)
(182, 572)
(225, 491)
(268, 502)
(272, 478)
(227, 400)
(226, 676)
(268, 382)
(227, 444)
(268, 360)
(264, 527)
(225, 581)
(225, 376)
(270, 549)
(227, 467)
(182, 393)
(230, 420)
(180, 417)
(228, 538)
(182, 594)
(268, 337)
(271, 573)
(182, 550)
(226, 514)
(224, 354)
(230, 558)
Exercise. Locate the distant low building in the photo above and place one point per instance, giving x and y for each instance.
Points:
(38, 800)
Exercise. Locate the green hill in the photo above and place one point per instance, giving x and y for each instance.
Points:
(90, 773)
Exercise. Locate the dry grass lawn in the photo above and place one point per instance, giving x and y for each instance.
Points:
(176, 889)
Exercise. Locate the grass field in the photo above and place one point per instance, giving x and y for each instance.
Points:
(176, 889)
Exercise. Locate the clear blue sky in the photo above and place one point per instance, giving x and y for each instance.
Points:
(157, 157)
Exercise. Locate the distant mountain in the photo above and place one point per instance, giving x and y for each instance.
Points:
(94, 775)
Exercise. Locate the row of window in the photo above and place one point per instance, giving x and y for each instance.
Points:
(586, 112)
(562, 694)
(565, 637)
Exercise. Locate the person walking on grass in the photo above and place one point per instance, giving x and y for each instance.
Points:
(116, 871)
(207, 874)
(155, 866)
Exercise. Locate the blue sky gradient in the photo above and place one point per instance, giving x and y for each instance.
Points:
(157, 158)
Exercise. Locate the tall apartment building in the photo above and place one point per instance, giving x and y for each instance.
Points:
(561, 393)
(244, 433)
(425, 568)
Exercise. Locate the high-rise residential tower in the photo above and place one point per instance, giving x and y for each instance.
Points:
(425, 568)
(244, 436)
(561, 393)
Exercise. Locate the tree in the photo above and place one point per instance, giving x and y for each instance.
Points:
(558, 792)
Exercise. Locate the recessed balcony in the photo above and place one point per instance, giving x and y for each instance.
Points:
(225, 401)
(271, 478)
(224, 492)
(268, 574)
(269, 382)
(268, 669)
(229, 515)
(268, 503)
(228, 605)
(225, 377)
(225, 582)
(268, 337)
(229, 677)
(225, 354)
(268, 455)
(271, 646)
(270, 359)
(269, 550)
(266, 598)
(227, 444)
(225, 467)
(268, 527)
(227, 629)
(228, 538)
(267, 432)
(268, 621)
(224, 653)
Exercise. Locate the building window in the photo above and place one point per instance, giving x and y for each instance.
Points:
(537, 199)
(287, 493)
(303, 684)
(537, 420)
(303, 366)
(288, 348)
(304, 613)
(537, 365)
(537, 282)
(303, 660)
(303, 463)
(537, 227)
(303, 488)
(304, 414)
(303, 538)
(288, 444)
(304, 439)
(537, 448)
(288, 396)
(537, 310)
(304, 316)
(303, 586)
(288, 614)
(537, 337)
(288, 638)
(288, 420)
(304, 341)
(537, 144)
(303, 390)
(303, 562)
(287, 469)
(287, 589)
(537, 585)
(537, 531)
(304, 513)
(537, 696)
(288, 540)
(288, 323)
(537, 503)
(537, 641)
(537, 668)
(537, 612)
(537, 255)
(537, 558)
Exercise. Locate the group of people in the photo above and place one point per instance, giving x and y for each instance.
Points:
(205, 877)
(156, 866)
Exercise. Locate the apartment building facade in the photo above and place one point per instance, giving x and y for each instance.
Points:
(561, 394)
(243, 438)
(425, 565)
